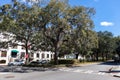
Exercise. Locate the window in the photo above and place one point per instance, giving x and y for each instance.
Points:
(43, 55)
(14, 46)
(23, 47)
(52, 56)
(3, 53)
(22, 55)
(32, 54)
(37, 55)
(13, 54)
(47, 55)
(2, 61)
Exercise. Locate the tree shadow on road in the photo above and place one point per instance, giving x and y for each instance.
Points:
(114, 69)
(110, 63)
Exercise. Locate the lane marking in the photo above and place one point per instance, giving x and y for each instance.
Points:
(101, 73)
(89, 71)
(81, 71)
(3, 73)
(67, 69)
(78, 70)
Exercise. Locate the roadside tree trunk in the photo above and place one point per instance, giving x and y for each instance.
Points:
(102, 56)
(56, 56)
(97, 56)
(76, 55)
(27, 53)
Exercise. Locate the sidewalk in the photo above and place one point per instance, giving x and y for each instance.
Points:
(86, 64)
(115, 71)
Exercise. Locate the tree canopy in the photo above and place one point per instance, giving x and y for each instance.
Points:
(55, 26)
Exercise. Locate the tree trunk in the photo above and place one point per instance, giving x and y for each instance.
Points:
(97, 56)
(76, 56)
(106, 56)
(102, 56)
(27, 54)
(56, 56)
(119, 56)
(55, 59)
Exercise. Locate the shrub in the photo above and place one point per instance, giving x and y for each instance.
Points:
(42, 65)
(68, 61)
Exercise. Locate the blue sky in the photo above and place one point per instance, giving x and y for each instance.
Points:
(107, 17)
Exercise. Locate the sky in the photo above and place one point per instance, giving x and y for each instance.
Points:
(107, 17)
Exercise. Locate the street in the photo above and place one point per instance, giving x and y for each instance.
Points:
(87, 72)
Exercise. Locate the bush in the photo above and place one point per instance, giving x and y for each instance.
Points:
(51, 62)
(42, 65)
(68, 61)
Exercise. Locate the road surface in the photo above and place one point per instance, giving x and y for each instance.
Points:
(88, 72)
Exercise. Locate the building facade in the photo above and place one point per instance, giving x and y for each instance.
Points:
(18, 52)
(13, 52)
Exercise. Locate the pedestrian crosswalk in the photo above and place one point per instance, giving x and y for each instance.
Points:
(82, 71)
(3, 73)
(89, 71)
(78, 70)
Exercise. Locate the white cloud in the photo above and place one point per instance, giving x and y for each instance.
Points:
(35, 1)
(105, 23)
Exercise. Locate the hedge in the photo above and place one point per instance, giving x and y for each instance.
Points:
(66, 61)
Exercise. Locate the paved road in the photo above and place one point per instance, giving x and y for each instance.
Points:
(89, 72)
(95, 69)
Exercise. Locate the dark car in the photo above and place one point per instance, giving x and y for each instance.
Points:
(43, 61)
(38, 62)
(34, 63)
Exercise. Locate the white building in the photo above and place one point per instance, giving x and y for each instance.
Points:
(18, 52)
(72, 56)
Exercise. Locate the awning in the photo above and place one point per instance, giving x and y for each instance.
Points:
(16, 51)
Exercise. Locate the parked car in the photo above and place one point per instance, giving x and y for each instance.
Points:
(43, 61)
(38, 62)
(16, 63)
(34, 63)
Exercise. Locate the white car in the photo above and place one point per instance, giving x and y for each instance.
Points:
(16, 63)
